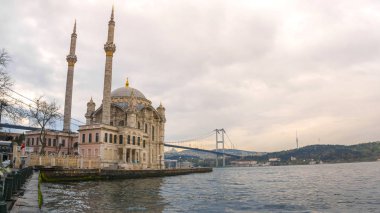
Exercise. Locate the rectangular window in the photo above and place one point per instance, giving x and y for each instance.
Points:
(54, 142)
(138, 141)
(120, 139)
(133, 140)
(83, 138)
(146, 128)
(96, 137)
(89, 137)
(32, 141)
(49, 142)
(63, 143)
(115, 139)
(110, 138)
(129, 139)
(143, 143)
(105, 137)
(152, 133)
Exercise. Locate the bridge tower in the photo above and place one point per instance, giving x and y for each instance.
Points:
(219, 134)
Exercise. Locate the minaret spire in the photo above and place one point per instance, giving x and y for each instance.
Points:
(75, 27)
(71, 60)
(109, 48)
(112, 13)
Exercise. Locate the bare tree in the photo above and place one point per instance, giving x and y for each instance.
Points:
(44, 115)
(8, 106)
(5, 80)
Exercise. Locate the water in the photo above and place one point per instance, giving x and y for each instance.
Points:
(351, 187)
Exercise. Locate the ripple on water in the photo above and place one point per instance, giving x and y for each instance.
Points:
(316, 188)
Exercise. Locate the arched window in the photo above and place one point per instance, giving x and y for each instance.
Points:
(146, 128)
(138, 125)
(129, 139)
(133, 140)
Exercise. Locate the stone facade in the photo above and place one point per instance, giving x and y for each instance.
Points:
(57, 142)
(134, 138)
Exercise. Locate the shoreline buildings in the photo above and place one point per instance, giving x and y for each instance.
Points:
(125, 131)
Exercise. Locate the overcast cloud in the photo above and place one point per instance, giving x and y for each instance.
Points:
(259, 69)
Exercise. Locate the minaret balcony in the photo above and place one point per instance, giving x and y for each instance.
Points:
(109, 47)
(71, 59)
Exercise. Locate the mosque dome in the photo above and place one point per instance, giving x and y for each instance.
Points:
(126, 91)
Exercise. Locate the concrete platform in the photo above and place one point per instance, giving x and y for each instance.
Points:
(28, 202)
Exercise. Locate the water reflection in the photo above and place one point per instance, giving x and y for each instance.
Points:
(104, 196)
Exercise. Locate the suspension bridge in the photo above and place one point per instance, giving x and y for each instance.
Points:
(213, 142)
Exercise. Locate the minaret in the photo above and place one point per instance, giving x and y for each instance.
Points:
(71, 60)
(90, 110)
(109, 48)
(131, 111)
(297, 138)
(161, 111)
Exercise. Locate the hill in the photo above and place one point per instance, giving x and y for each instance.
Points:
(327, 153)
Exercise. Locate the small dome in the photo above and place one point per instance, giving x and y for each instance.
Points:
(126, 92)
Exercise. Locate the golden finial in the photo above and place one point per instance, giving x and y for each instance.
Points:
(127, 83)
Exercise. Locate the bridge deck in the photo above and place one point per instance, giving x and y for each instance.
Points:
(201, 150)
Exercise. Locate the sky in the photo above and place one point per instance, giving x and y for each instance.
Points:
(261, 70)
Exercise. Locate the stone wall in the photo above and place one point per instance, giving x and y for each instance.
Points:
(61, 175)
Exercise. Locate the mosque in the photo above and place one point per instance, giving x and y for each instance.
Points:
(124, 132)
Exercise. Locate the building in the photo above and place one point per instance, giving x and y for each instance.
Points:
(243, 163)
(57, 142)
(126, 131)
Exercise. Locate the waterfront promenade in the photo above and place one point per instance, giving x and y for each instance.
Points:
(28, 202)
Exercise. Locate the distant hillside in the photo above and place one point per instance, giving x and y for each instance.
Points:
(328, 153)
